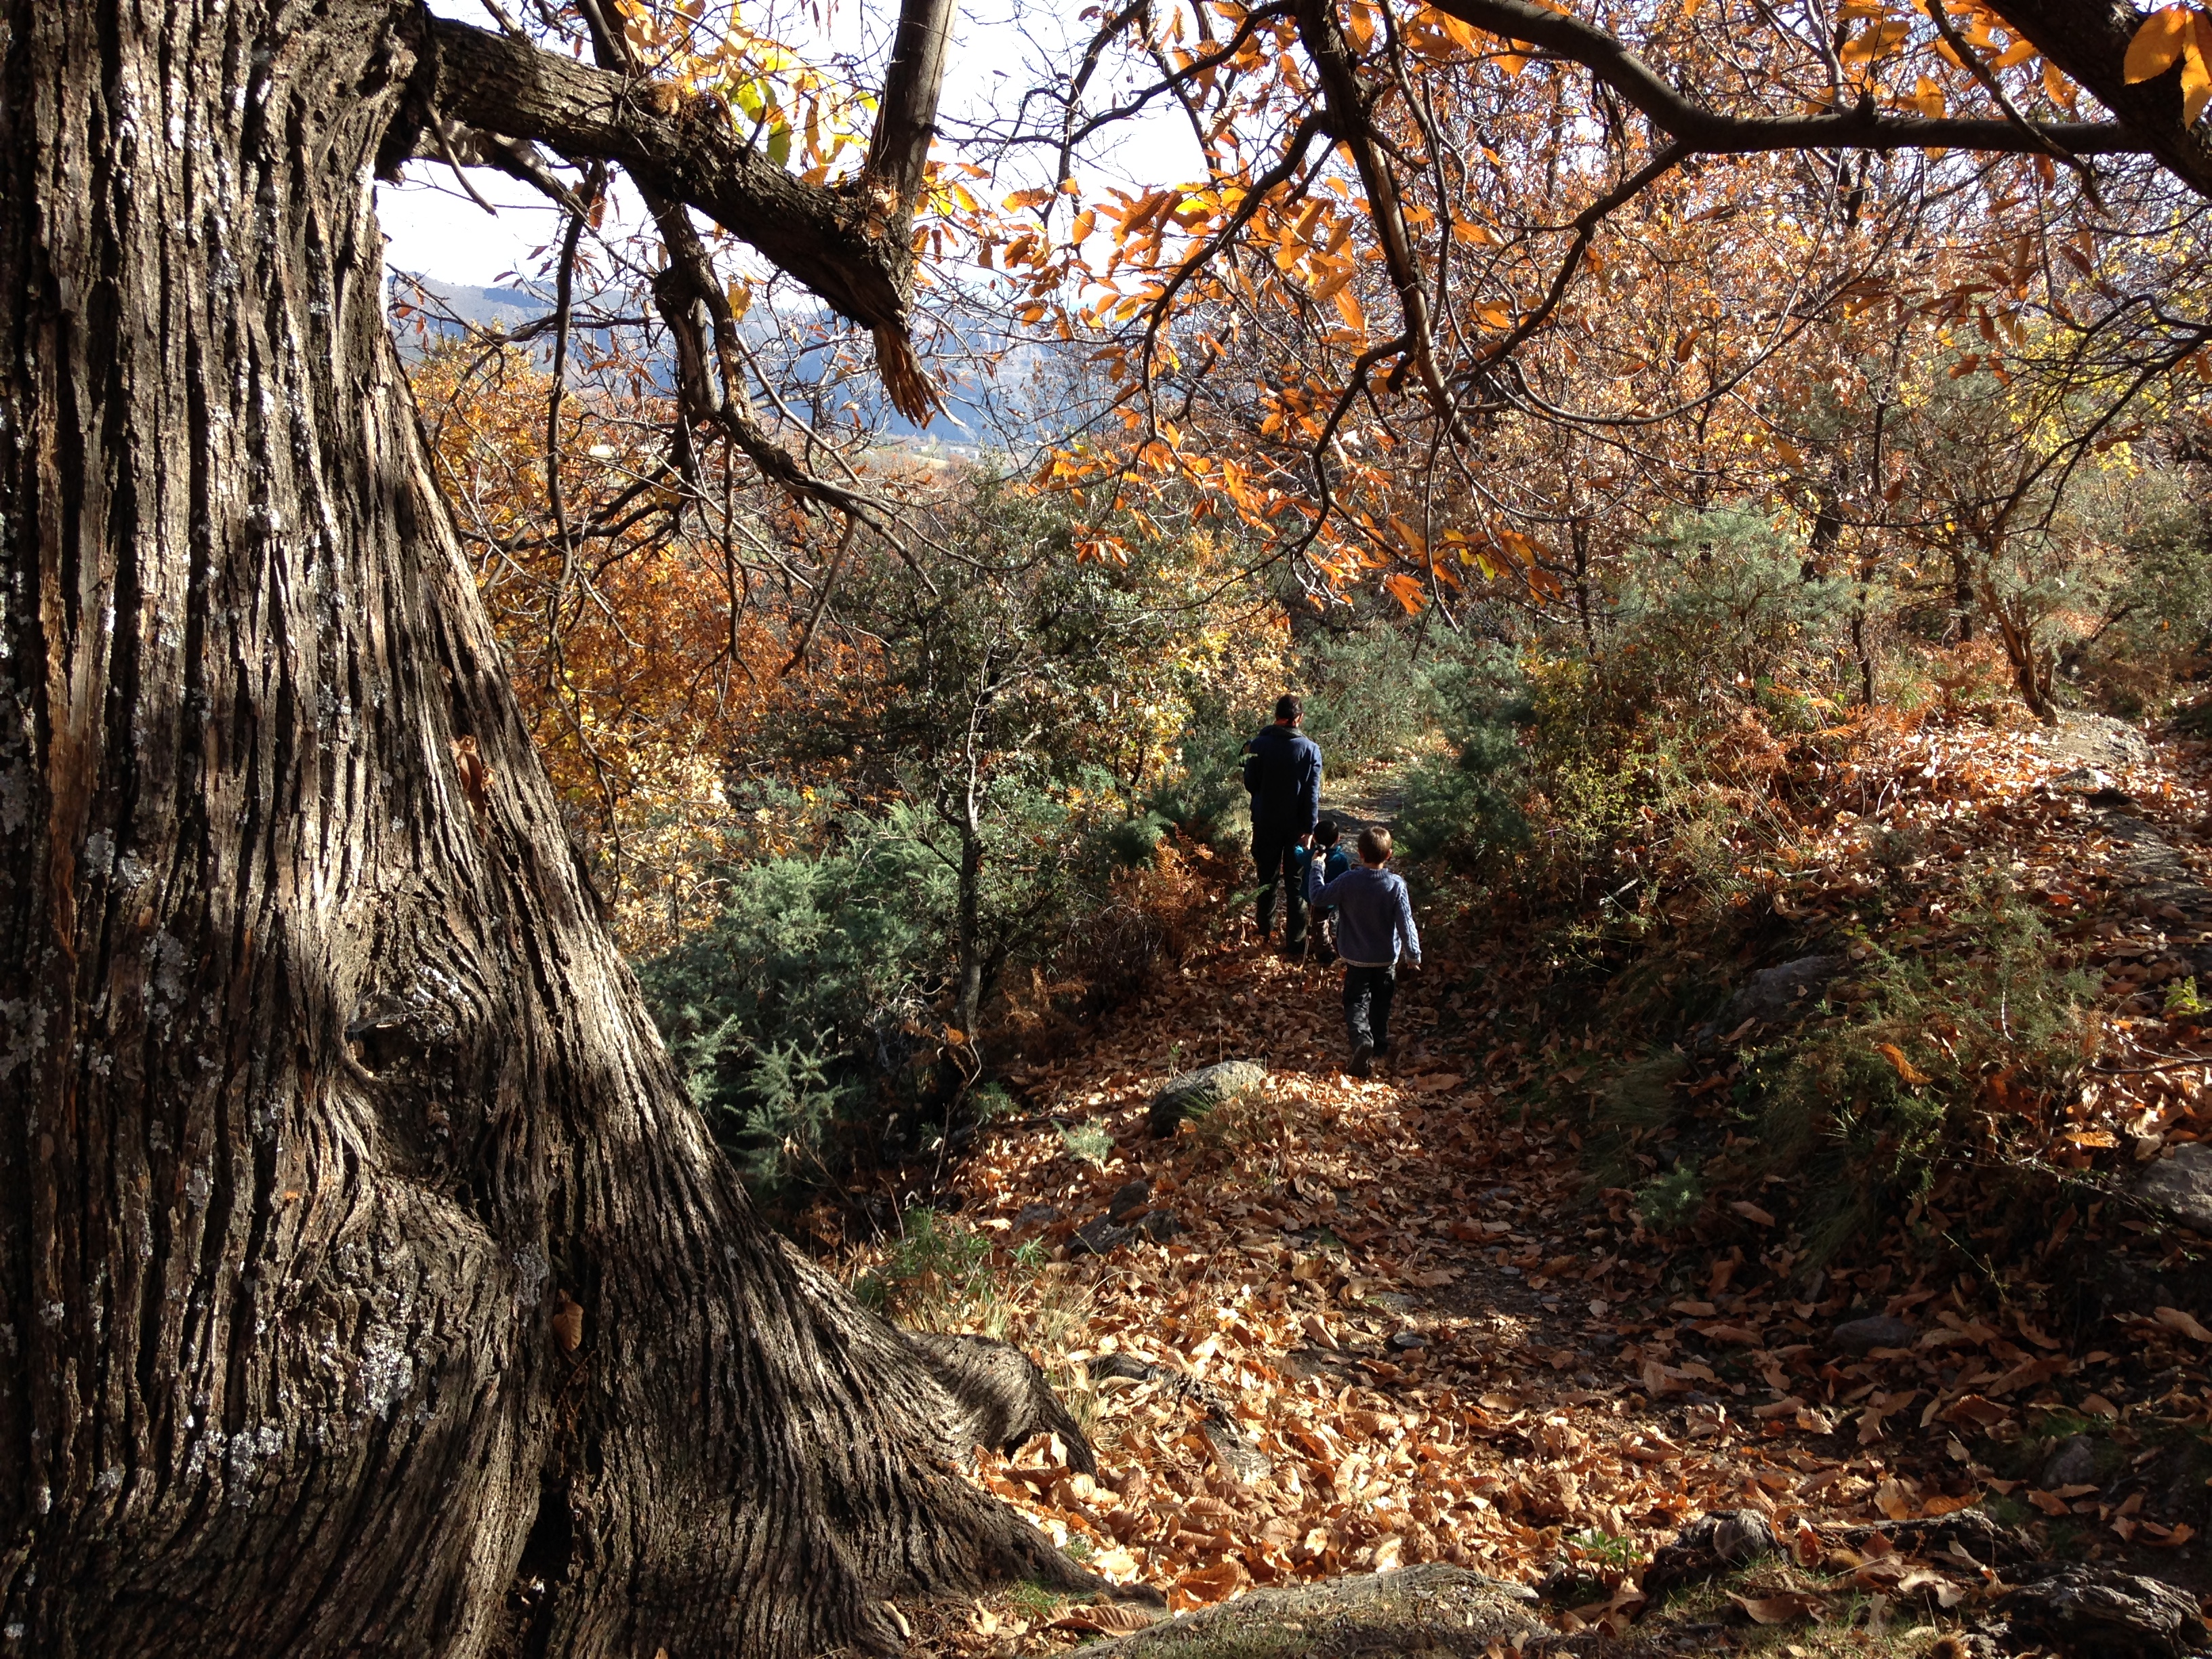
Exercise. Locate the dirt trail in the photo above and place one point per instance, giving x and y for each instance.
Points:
(1438, 1343)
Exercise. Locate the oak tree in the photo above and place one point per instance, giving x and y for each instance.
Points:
(370, 1283)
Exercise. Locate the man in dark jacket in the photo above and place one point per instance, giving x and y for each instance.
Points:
(1284, 774)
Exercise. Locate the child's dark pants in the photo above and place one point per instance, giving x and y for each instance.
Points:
(1367, 994)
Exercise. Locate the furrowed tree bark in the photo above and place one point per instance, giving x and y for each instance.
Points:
(361, 1252)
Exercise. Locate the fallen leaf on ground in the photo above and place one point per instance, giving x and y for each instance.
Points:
(2175, 1320)
(1786, 1608)
(1905, 1069)
(1113, 1617)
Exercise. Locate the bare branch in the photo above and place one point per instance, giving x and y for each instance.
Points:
(906, 120)
(1864, 127)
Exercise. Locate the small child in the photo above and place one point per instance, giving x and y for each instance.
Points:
(1374, 917)
(1330, 860)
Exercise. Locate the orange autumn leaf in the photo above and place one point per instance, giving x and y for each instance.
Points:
(1787, 1609)
(1905, 1069)
(2157, 44)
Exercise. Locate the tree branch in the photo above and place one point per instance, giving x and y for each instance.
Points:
(1613, 62)
(906, 120)
(2088, 40)
(845, 247)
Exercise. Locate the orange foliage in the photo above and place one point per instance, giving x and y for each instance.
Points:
(640, 658)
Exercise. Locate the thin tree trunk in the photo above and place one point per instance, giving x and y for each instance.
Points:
(1827, 533)
(969, 946)
(2030, 674)
(363, 1247)
(1862, 645)
(1581, 543)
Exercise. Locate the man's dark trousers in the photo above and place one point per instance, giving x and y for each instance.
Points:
(1367, 994)
(1276, 851)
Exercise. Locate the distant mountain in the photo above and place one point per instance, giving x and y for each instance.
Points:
(982, 414)
(483, 306)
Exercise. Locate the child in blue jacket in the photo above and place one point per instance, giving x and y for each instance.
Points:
(1330, 860)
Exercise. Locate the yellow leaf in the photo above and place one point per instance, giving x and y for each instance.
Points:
(1408, 591)
(1347, 306)
(2157, 44)
(1462, 35)
(2061, 91)
(1335, 284)
(1876, 40)
(2197, 69)
(1905, 1069)
(1927, 98)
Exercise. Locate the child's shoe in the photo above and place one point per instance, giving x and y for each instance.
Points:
(1363, 1059)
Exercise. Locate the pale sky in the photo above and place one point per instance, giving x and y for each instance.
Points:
(433, 229)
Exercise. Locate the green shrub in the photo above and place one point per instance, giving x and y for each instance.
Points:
(812, 989)
(1941, 1060)
(944, 1275)
(1131, 842)
(1375, 690)
(1672, 1200)
(938, 1277)
(1463, 806)
(1088, 1142)
(992, 1104)
(1203, 797)
(1722, 604)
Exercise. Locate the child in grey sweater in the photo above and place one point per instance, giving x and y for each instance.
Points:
(1374, 918)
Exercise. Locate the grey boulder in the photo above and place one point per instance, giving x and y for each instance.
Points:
(1195, 1094)
(2180, 1186)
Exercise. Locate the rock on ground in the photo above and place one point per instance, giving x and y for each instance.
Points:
(1709, 1544)
(2180, 1186)
(2100, 740)
(1773, 996)
(2074, 1464)
(2096, 1613)
(1431, 1609)
(1194, 1094)
(1875, 1331)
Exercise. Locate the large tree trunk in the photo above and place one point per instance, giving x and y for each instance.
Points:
(360, 1249)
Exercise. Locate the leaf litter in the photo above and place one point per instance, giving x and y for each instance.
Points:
(1392, 1322)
